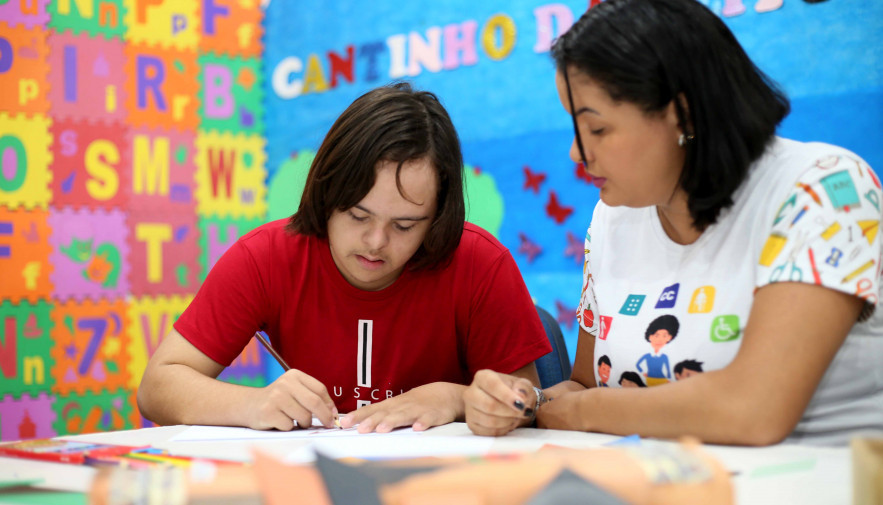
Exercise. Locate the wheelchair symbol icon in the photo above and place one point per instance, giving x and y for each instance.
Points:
(725, 328)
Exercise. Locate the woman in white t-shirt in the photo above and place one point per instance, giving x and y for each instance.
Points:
(734, 273)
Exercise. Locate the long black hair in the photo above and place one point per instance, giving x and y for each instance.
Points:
(653, 52)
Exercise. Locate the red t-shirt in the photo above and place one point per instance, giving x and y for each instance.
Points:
(365, 346)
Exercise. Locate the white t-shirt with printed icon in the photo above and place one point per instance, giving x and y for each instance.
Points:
(661, 311)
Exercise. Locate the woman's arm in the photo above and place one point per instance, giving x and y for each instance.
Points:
(179, 387)
(793, 332)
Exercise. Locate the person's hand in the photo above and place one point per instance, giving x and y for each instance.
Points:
(496, 403)
(421, 408)
(291, 400)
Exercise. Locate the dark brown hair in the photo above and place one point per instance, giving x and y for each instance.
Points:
(392, 123)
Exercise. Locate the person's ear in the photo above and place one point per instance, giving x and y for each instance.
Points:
(685, 123)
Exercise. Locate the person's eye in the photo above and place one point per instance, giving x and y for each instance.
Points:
(599, 131)
(357, 218)
(403, 228)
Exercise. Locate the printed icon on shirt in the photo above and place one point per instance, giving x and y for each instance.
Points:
(702, 301)
(725, 328)
(869, 228)
(669, 297)
(872, 197)
(832, 230)
(632, 305)
(841, 190)
(834, 258)
(774, 245)
(606, 321)
(783, 210)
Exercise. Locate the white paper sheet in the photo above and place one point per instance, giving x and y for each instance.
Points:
(219, 433)
(385, 447)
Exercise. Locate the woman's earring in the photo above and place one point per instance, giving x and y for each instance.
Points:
(685, 139)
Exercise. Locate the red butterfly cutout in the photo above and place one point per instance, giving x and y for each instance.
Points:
(533, 180)
(557, 211)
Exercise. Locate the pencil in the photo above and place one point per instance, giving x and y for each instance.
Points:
(261, 336)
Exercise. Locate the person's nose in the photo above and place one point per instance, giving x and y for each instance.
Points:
(376, 237)
(575, 154)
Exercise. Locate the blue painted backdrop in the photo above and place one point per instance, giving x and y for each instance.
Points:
(498, 85)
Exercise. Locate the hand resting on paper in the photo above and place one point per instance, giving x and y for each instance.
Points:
(421, 408)
(294, 397)
(496, 403)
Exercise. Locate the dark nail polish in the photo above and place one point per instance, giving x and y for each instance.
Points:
(518, 404)
(528, 412)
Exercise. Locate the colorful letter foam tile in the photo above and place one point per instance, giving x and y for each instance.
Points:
(163, 24)
(217, 235)
(29, 14)
(24, 255)
(92, 412)
(163, 171)
(23, 69)
(25, 349)
(27, 417)
(91, 347)
(164, 253)
(230, 175)
(232, 28)
(90, 164)
(24, 160)
(231, 96)
(161, 87)
(150, 320)
(86, 77)
(89, 254)
(94, 17)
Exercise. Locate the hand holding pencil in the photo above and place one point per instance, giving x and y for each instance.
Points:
(292, 400)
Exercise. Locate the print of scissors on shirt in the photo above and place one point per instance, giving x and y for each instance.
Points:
(863, 290)
(795, 273)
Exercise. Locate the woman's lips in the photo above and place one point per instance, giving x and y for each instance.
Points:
(599, 181)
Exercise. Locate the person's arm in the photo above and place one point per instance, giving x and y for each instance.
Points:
(425, 406)
(496, 403)
(793, 333)
(179, 386)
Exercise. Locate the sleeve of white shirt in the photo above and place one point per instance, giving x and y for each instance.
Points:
(827, 231)
(587, 312)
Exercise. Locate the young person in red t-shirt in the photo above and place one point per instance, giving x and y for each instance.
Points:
(375, 292)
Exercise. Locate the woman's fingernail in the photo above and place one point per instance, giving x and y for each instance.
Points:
(518, 404)
(528, 412)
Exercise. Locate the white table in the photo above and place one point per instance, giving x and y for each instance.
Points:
(779, 474)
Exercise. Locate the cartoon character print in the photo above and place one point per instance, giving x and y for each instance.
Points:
(604, 367)
(660, 332)
(687, 368)
(631, 380)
